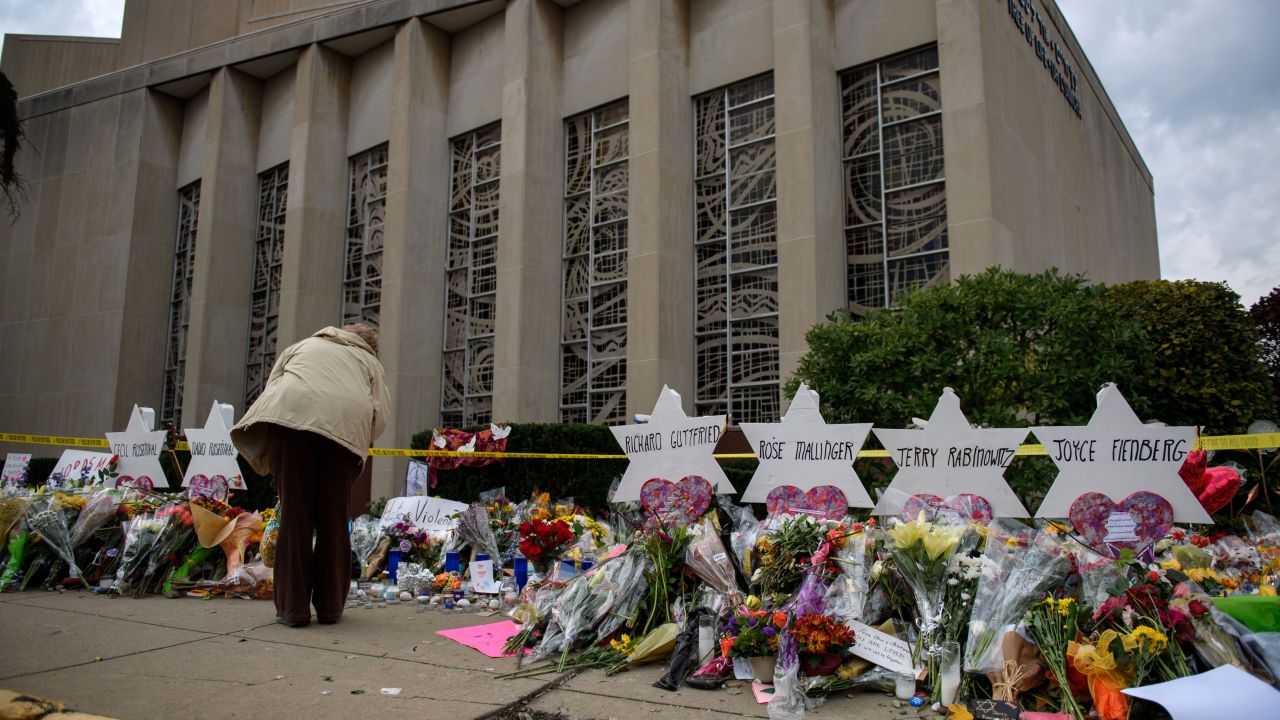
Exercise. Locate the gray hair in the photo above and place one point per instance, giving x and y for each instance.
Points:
(366, 333)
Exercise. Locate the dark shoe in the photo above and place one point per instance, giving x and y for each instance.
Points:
(293, 623)
(327, 621)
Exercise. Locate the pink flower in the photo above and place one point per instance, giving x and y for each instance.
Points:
(1181, 590)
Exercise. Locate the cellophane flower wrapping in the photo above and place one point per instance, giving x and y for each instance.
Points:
(270, 537)
(744, 529)
(178, 535)
(140, 537)
(365, 534)
(1019, 565)
(1098, 575)
(48, 518)
(789, 701)
(626, 586)
(707, 558)
(573, 614)
(235, 544)
(17, 540)
(13, 505)
(98, 509)
(846, 598)
(920, 551)
(474, 528)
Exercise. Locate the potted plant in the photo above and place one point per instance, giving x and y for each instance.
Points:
(753, 634)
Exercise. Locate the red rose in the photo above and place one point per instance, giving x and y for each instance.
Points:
(525, 527)
(1197, 608)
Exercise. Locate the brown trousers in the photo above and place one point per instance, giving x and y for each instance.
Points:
(313, 476)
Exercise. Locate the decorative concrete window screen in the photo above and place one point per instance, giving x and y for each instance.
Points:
(736, 247)
(894, 187)
(593, 357)
(471, 279)
(184, 255)
(264, 298)
(366, 217)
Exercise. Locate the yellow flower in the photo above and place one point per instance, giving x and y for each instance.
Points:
(906, 535)
(1063, 606)
(938, 543)
(1267, 591)
(1200, 574)
(623, 645)
(1171, 564)
(1147, 639)
(753, 602)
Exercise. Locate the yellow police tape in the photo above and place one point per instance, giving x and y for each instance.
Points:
(1207, 442)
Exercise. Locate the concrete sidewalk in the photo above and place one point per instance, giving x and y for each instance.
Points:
(158, 658)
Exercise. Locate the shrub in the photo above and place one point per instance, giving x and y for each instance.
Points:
(1204, 366)
(1266, 318)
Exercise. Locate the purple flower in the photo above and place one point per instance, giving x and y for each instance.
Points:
(769, 631)
(405, 546)
(751, 622)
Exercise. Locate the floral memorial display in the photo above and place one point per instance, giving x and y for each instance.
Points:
(945, 594)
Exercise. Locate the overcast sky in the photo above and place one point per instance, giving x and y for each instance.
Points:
(1196, 82)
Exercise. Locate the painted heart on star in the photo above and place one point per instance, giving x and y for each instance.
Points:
(215, 487)
(825, 501)
(1102, 524)
(959, 509)
(683, 501)
(142, 482)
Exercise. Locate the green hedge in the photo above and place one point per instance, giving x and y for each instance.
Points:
(586, 481)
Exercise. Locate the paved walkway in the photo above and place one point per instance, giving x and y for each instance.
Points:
(157, 658)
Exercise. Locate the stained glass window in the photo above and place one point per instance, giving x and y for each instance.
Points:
(593, 356)
(264, 299)
(894, 181)
(736, 252)
(366, 215)
(184, 252)
(471, 279)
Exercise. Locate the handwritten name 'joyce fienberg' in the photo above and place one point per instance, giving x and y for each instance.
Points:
(957, 457)
(1122, 450)
(686, 437)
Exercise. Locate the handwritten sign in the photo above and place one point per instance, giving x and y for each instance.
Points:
(1117, 455)
(671, 446)
(1121, 527)
(882, 649)
(805, 452)
(77, 466)
(950, 457)
(15, 468)
(138, 449)
(428, 513)
(213, 456)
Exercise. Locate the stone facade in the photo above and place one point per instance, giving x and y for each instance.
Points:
(220, 93)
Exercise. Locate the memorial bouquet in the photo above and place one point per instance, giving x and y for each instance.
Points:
(1052, 624)
(781, 558)
(921, 552)
(100, 506)
(752, 633)
(366, 532)
(475, 529)
(49, 517)
(823, 643)
(544, 542)
(141, 534)
(1018, 566)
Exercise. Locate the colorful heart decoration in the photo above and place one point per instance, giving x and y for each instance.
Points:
(683, 501)
(1213, 487)
(1103, 524)
(825, 501)
(142, 482)
(211, 487)
(956, 510)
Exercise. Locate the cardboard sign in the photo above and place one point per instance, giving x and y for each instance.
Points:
(77, 466)
(882, 649)
(428, 513)
(138, 449)
(213, 456)
(949, 457)
(482, 579)
(415, 480)
(671, 445)
(1117, 456)
(805, 452)
(15, 468)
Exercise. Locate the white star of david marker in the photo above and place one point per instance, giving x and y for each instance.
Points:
(138, 448)
(950, 457)
(211, 450)
(806, 452)
(671, 446)
(1116, 455)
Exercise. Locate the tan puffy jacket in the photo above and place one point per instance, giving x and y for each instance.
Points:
(331, 384)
